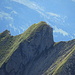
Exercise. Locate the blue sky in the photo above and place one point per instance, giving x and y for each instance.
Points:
(18, 15)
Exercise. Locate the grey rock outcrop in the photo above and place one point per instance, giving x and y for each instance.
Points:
(28, 51)
(35, 53)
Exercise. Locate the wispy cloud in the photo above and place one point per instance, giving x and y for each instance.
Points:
(29, 4)
(14, 28)
(74, 34)
(6, 16)
(53, 14)
(48, 16)
(36, 7)
(73, 0)
(8, 7)
(72, 37)
(58, 30)
(12, 11)
(22, 28)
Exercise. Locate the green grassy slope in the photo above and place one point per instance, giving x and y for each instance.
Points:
(8, 44)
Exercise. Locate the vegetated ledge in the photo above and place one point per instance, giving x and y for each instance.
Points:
(8, 43)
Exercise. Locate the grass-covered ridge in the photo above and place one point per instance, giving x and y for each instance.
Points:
(8, 43)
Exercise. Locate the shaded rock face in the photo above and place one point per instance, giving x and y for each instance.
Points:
(41, 41)
(27, 54)
(69, 67)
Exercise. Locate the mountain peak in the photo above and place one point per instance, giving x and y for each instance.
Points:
(35, 53)
(4, 34)
(39, 34)
(35, 28)
(42, 22)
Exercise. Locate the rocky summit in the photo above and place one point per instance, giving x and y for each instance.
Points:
(34, 52)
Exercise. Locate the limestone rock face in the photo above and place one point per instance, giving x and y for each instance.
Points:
(28, 51)
(41, 41)
(35, 53)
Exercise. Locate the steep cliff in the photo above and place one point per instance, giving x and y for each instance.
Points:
(35, 53)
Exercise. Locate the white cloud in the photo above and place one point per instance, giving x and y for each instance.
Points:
(72, 37)
(6, 16)
(12, 11)
(12, 26)
(8, 7)
(35, 7)
(9, 19)
(73, 0)
(29, 4)
(58, 30)
(22, 28)
(48, 16)
(15, 28)
(53, 14)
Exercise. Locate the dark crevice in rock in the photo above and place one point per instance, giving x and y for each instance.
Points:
(4, 69)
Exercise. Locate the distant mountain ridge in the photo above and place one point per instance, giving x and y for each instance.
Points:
(34, 52)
